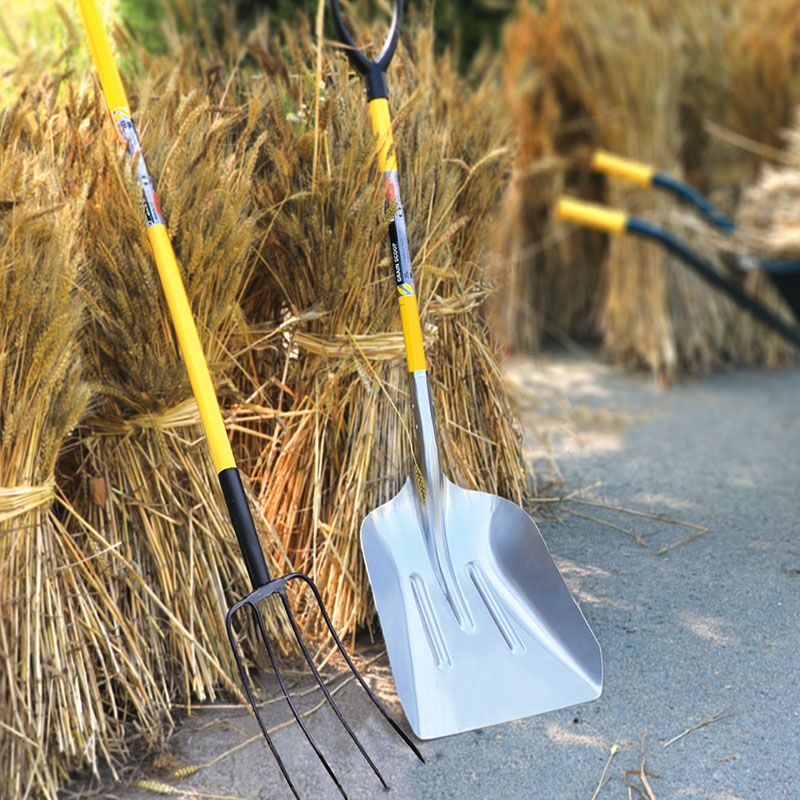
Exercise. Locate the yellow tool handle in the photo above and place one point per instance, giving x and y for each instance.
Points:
(191, 349)
(592, 215)
(398, 236)
(169, 274)
(113, 90)
(625, 168)
(382, 128)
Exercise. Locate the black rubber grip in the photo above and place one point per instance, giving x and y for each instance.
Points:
(242, 520)
(375, 83)
(374, 72)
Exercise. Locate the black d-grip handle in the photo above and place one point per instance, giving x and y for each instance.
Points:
(374, 72)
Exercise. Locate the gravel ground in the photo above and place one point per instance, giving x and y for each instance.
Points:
(703, 637)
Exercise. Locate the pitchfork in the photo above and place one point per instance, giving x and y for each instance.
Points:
(264, 586)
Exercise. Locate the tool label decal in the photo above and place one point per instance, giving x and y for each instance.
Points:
(127, 130)
(398, 236)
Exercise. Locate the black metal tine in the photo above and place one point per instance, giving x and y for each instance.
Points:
(288, 697)
(253, 705)
(352, 666)
(328, 697)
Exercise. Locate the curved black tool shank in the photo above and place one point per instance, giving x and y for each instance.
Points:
(686, 193)
(374, 72)
(701, 267)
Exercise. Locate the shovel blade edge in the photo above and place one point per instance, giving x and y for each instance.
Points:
(527, 648)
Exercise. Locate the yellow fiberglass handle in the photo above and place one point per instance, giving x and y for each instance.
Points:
(591, 215)
(398, 236)
(180, 311)
(382, 128)
(191, 349)
(113, 90)
(625, 168)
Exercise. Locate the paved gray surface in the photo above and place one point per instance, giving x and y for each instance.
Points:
(708, 627)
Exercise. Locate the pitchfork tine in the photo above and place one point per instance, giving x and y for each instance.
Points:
(298, 718)
(359, 678)
(325, 691)
(253, 705)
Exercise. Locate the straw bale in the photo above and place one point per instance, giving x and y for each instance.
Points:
(769, 215)
(71, 676)
(346, 447)
(763, 60)
(768, 218)
(547, 283)
(639, 80)
(114, 597)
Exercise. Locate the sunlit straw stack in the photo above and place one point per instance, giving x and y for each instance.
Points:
(114, 595)
(630, 78)
(71, 677)
(346, 447)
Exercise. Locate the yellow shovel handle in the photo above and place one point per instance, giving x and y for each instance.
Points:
(401, 258)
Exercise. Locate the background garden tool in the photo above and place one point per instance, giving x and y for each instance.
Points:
(611, 220)
(478, 622)
(647, 176)
(784, 274)
(263, 585)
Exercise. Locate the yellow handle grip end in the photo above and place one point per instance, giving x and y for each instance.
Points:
(591, 215)
(618, 167)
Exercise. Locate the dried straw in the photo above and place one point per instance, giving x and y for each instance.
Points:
(637, 80)
(346, 449)
(547, 282)
(113, 596)
(70, 680)
(768, 218)
(763, 57)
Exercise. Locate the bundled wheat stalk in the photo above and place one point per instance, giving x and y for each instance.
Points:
(762, 42)
(71, 676)
(343, 447)
(546, 282)
(769, 216)
(769, 223)
(113, 608)
(637, 80)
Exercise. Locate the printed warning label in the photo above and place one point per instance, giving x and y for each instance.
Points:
(127, 130)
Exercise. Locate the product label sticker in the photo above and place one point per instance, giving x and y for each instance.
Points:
(398, 236)
(127, 130)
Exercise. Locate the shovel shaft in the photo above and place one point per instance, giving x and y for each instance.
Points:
(177, 301)
(398, 235)
(374, 74)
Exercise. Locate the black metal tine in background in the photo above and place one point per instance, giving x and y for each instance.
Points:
(263, 631)
(357, 674)
(324, 688)
(251, 698)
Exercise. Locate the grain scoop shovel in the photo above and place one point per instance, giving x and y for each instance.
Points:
(479, 625)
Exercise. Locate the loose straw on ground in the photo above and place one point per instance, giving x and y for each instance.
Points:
(615, 748)
(720, 715)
